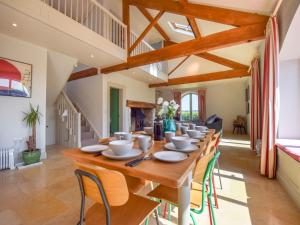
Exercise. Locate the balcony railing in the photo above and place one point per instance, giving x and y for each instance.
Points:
(95, 17)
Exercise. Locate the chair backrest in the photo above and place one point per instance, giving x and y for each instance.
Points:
(113, 183)
(215, 139)
(201, 167)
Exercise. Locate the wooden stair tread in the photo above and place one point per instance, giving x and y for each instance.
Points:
(134, 212)
(171, 194)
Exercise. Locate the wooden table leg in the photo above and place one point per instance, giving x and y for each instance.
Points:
(184, 201)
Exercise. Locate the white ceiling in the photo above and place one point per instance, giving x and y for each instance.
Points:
(290, 49)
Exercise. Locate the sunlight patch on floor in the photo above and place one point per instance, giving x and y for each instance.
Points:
(235, 143)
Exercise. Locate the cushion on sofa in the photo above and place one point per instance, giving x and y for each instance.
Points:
(211, 119)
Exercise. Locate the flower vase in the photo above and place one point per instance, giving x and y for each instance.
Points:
(169, 125)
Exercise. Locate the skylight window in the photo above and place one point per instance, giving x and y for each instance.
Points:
(181, 28)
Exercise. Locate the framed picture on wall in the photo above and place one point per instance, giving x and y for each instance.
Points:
(15, 78)
(247, 108)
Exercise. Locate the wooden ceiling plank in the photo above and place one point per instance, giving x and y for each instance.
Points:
(204, 77)
(193, 24)
(156, 26)
(205, 12)
(211, 42)
(83, 74)
(178, 65)
(147, 29)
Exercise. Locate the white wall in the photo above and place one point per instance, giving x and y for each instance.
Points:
(132, 90)
(87, 93)
(12, 108)
(59, 68)
(92, 94)
(289, 84)
(224, 98)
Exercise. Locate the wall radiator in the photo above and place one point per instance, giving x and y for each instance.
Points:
(7, 159)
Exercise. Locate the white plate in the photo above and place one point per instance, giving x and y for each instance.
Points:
(94, 148)
(190, 148)
(170, 156)
(131, 154)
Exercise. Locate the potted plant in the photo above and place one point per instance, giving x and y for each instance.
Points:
(167, 112)
(32, 154)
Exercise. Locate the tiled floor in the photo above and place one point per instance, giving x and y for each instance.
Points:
(48, 194)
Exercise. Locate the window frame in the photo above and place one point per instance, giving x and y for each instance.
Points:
(190, 105)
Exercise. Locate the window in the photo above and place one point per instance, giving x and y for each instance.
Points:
(189, 107)
(181, 28)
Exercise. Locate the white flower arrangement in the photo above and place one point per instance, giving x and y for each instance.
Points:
(167, 109)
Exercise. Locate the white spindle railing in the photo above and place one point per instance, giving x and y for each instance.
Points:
(94, 16)
(142, 47)
(68, 122)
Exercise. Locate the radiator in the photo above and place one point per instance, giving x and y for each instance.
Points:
(7, 159)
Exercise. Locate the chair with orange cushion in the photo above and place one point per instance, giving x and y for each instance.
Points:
(113, 203)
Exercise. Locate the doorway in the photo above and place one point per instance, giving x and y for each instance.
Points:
(114, 110)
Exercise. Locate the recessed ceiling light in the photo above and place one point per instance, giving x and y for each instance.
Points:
(14, 24)
(92, 56)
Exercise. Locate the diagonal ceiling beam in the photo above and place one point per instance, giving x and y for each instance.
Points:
(210, 13)
(204, 77)
(215, 41)
(83, 74)
(178, 65)
(157, 26)
(194, 26)
(148, 28)
(217, 59)
(220, 60)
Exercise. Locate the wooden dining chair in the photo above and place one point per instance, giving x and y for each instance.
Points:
(113, 203)
(201, 188)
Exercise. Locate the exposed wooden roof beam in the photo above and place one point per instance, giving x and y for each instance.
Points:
(210, 13)
(156, 26)
(178, 65)
(194, 26)
(214, 58)
(220, 60)
(204, 77)
(83, 74)
(211, 42)
(147, 29)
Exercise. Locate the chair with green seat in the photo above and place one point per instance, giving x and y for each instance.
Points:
(201, 188)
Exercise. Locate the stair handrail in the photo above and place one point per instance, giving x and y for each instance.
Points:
(87, 119)
(66, 112)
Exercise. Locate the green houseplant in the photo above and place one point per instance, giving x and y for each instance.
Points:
(167, 112)
(32, 154)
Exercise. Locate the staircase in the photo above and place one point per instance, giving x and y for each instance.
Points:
(88, 134)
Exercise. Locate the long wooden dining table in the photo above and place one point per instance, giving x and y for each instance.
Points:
(175, 175)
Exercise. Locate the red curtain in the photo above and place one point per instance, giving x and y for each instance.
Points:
(177, 98)
(202, 105)
(255, 131)
(270, 100)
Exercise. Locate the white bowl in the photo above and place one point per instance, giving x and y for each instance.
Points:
(183, 129)
(148, 130)
(121, 135)
(201, 128)
(181, 142)
(193, 133)
(120, 147)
